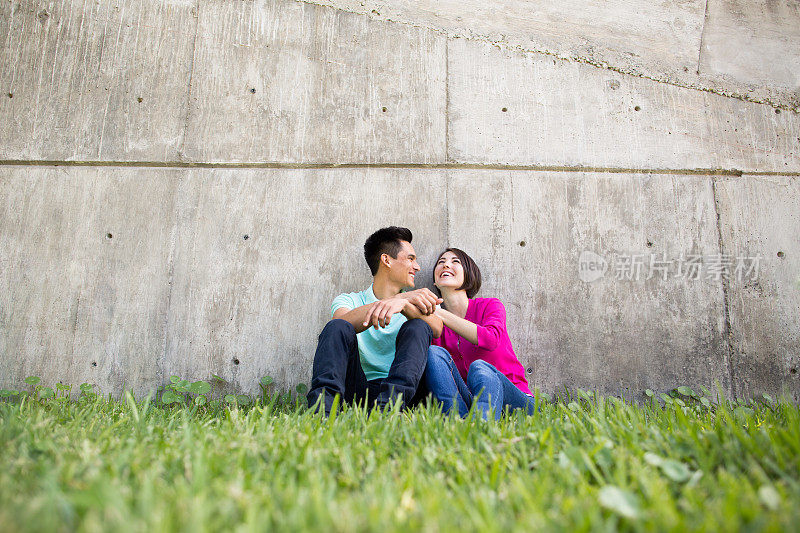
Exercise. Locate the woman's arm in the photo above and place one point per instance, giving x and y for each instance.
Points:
(461, 326)
(435, 322)
(493, 325)
(485, 335)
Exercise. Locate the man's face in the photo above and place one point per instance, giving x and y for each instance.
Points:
(404, 267)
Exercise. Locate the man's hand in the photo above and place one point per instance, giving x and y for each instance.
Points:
(423, 299)
(380, 314)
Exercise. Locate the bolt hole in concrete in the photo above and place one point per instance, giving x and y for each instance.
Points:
(793, 371)
(777, 111)
(43, 15)
(253, 90)
(780, 254)
(637, 108)
(504, 109)
(522, 243)
(109, 236)
(11, 95)
(649, 244)
(140, 99)
(235, 361)
(529, 370)
(94, 363)
(246, 237)
(383, 109)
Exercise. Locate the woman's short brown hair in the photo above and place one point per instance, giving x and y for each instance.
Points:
(472, 274)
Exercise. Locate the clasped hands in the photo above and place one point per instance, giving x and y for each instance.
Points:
(421, 301)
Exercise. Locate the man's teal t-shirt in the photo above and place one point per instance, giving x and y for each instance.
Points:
(375, 346)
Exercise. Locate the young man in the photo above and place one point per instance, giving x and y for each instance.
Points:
(376, 344)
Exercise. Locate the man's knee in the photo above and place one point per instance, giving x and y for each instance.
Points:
(416, 327)
(338, 327)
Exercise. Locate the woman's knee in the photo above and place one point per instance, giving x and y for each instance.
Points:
(438, 355)
(480, 372)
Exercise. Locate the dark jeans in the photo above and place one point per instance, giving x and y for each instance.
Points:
(486, 387)
(337, 367)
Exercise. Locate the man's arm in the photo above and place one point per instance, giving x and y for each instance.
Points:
(356, 317)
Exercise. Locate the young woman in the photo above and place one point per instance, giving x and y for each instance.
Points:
(472, 361)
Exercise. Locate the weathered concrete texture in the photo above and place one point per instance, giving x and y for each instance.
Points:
(750, 49)
(509, 107)
(615, 335)
(754, 45)
(84, 286)
(96, 80)
(293, 82)
(760, 217)
(124, 277)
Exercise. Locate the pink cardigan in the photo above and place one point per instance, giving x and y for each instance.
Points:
(494, 346)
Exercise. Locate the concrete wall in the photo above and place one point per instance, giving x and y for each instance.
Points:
(184, 185)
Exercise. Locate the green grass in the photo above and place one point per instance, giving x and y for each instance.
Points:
(589, 463)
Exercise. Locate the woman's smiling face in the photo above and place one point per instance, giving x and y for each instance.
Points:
(448, 271)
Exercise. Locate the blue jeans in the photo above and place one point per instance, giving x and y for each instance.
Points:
(486, 387)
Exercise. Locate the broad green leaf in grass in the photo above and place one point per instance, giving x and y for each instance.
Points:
(266, 381)
(545, 396)
(174, 379)
(169, 397)
(243, 399)
(33, 380)
(200, 387)
(620, 501)
(686, 391)
(769, 497)
(46, 392)
(572, 406)
(200, 400)
(705, 401)
(653, 459)
(648, 392)
(743, 412)
(675, 470)
(768, 398)
(301, 388)
(231, 399)
(5, 393)
(217, 378)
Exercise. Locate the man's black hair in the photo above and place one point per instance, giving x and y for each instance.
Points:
(384, 241)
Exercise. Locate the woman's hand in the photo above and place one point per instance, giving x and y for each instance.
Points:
(423, 299)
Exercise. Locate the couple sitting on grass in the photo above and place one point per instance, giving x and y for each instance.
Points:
(383, 344)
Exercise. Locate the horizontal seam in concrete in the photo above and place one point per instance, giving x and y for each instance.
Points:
(431, 166)
(597, 64)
